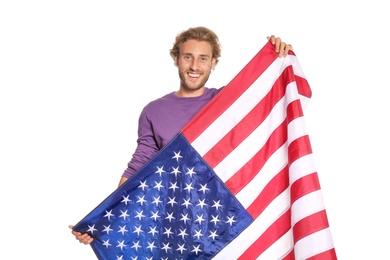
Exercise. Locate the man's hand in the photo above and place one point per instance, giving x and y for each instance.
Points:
(280, 47)
(82, 238)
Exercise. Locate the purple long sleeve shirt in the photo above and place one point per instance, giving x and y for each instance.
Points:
(160, 121)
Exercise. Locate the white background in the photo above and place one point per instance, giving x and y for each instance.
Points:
(74, 76)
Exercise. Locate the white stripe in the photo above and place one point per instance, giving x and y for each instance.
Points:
(292, 92)
(238, 246)
(313, 244)
(292, 59)
(280, 248)
(251, 145)
(296, 128)
(302, 167)
(307, 205)
(239, 109)
(299, 72)
(274, 164)
(304, 101)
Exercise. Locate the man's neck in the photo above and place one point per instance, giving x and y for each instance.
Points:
(189, 93)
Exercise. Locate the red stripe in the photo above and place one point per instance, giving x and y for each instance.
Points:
(326, 255)
(310, 224)
(270, 236)
(242, 81)
(250, 122)
(247, 172)
(303, 86)
(294, 110)
(304, 185)
(289, 256)
(298, 148)
(274, 188)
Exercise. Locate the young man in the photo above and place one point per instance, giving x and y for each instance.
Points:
(195, 53)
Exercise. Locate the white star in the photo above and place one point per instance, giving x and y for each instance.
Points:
(185, 218)
(134, 258)
(139, 215)
(167, 232)
(158, 186)
(138, 230)
(91, 229)
(143, 185)
(216, 204)
(189, 187)
(155, 215)
(156, 200)
(201, 203)
(175, 171)
(174, 186)
(199, 219)
(230, 220)
(109, 214)
(181, 248)
(119, 257)
(126, 199)
(136, 245)
(123, 230)
(124, 214)
(190, 171)
(186, 203)
(182, 233)
(121, 244)
(177, 156)
(204, 188)
(198, 234)
(213, 234)
(160, 170)
(141, 200)
(172, 201)
(107, 243)
(149, 258)
(170, 217)
(151, 246)
(166, 247)
(153, 231)
(215, 219)
(196, 249)
(107, 229)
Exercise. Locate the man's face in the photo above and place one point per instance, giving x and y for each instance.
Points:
(195, 63)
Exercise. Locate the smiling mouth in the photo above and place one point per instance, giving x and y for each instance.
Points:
(193, 75)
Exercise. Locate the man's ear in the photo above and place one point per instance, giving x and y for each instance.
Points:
(213, 63)
(175, 61)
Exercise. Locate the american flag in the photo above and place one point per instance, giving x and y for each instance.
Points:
(238, 181)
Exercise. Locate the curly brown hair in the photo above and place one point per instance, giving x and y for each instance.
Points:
(199, 33)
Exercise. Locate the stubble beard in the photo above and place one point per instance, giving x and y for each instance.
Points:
(190, 86)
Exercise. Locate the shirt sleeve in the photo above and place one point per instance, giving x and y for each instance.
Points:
(146, 145)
